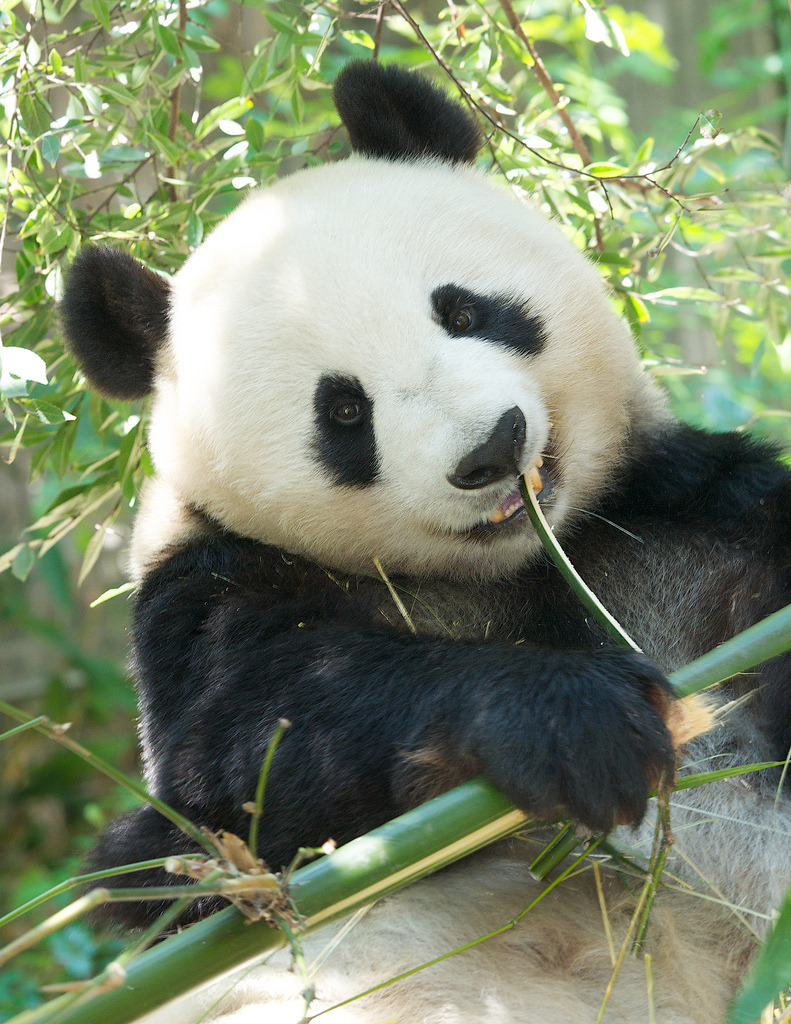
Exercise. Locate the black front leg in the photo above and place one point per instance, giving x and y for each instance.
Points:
(579, 732)
(558, 733)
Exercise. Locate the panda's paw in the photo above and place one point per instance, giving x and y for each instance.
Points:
(592, 741)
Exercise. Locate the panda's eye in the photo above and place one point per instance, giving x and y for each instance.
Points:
(462, 320)
(348, 413)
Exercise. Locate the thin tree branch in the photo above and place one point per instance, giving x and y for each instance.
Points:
(380, 21)
(175, 98)
(547, 84)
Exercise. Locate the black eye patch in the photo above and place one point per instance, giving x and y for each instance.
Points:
(495, 318)
(344, 443)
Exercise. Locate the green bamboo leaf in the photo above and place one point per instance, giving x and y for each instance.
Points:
(114, 592)
(199, 39)
(615, 259)
(168, 39)
(671, 296)
(23, 562)
(35, 115)
(702, 778)
(121, 95)
(358, 38)
(229, 110)
(101, 11)
(280, 23)
(255, 133)
(81, 73)
(255, 75)
(129, 448)
(606, 170)
(94, 547)
(644, 152)
(769, 974)
(194, 229)
(601, 28)
(50, 148)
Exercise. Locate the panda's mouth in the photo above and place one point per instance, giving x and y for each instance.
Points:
(507, 514)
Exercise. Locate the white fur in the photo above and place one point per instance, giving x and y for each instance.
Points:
(268, 304)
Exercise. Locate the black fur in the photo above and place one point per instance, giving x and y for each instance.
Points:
(729, 484)
(495, 318)
(392, 114)
(344, 442)
(733, 493)
(115, 318)
(232, 635)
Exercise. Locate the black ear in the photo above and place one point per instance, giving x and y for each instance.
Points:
(114, 314)
(396, 115)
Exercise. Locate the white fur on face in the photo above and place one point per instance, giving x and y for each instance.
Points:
(331, 272)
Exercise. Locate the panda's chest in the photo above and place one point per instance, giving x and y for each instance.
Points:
(670, 593)
(455, 610)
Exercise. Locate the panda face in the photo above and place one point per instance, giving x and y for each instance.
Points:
(365, 357)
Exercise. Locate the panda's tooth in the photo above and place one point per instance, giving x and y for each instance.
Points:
(497, 516)
(540, 461)
(533, 479)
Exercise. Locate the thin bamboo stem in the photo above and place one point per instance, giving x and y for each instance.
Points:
(70, 883)
(260, 789)
(607, 621)
(58, 733)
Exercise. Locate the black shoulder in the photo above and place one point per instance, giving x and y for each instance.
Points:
(727, 484)
(393, 114)
(222, 570)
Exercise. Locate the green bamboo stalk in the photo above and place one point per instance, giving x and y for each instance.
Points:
(406, 849)
(22, 728)
(564, 843)
(402, 851)
(54, 923)
(445, 829)
(766, 639)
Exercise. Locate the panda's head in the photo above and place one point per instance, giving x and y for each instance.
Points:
(363, 358)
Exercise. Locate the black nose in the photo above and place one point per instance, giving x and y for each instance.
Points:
(497, 457)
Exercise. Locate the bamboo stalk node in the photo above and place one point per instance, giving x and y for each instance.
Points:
(244, 880)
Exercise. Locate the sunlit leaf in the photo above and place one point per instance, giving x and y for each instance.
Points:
(22, 364)
(23, 562)
(114, 592)
(50, 148)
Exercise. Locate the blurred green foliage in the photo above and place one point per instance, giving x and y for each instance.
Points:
(140, 125)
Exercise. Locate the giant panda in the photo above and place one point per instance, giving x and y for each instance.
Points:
(358, 364)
